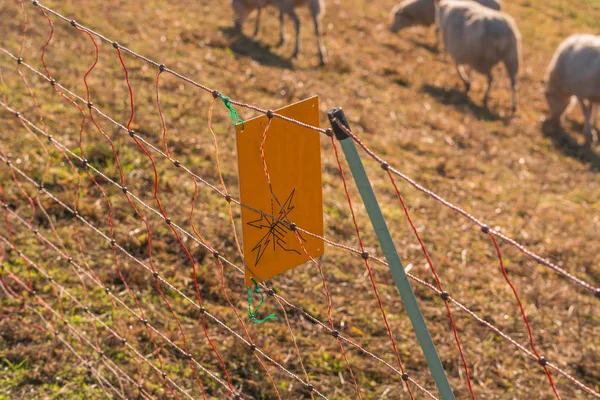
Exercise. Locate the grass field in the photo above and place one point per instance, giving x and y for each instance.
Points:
(535, 182)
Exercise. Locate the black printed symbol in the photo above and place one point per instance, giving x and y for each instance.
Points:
(277, 231)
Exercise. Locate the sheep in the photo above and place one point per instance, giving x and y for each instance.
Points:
(242, 8)
(575, 71)
(422, 13)
(480, 37)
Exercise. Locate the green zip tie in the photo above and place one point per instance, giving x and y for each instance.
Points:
(233, 114)
(252, 315)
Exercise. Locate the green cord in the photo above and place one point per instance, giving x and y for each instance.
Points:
(233, 114)
(252, 315)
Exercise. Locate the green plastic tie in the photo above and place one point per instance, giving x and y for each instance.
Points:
(252, 315)
(233, 114)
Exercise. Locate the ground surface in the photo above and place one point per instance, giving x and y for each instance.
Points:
(532, 180)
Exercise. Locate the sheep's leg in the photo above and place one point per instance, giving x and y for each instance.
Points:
(587, 115)
(513, 92)
(296, 20)
(281, 38)
(489, 88)
(465, 78)
(257, 26)
(594, 114)
(320, 46)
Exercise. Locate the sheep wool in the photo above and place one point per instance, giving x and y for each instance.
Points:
(575, 71)
(480, 38)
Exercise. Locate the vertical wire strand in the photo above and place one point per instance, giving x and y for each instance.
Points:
(367, 265)
(439, 285)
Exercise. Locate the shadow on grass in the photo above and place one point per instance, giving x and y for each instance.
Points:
(574, 126)
(430, 48)
(392, 46)
(259, 52)
(569, 145)
(459, 100)
(401, 82)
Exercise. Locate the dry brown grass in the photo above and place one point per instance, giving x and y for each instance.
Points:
(537, 183)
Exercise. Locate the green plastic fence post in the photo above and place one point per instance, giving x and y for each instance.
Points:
(389, 250)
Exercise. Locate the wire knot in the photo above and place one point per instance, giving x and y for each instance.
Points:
(252, 314)
(233, 114)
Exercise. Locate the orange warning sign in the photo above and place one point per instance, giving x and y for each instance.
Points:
(293, 158)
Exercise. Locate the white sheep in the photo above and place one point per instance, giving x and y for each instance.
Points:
(575, 71)
(243, 8)
(422, 13)
(480, 37)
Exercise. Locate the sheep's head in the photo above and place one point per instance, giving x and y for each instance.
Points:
(398, 19)
(240, 12)
(557, 103)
